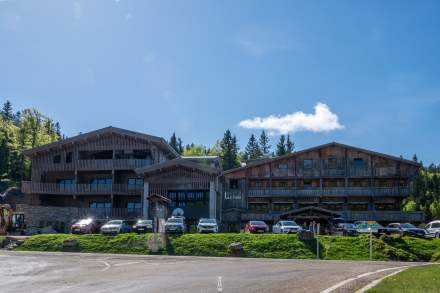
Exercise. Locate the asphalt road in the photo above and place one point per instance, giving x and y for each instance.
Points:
(73, 272)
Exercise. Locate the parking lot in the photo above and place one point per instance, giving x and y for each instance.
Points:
(70, 272)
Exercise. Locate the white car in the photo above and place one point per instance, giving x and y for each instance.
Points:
(115, 227)
(286, 227)
(207, 225)
(433, 229)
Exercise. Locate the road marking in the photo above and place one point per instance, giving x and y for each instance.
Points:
(107, 265)
(127, 263)
(342, 283)
(377, 281)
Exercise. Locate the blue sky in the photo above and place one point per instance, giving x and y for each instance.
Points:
(199, 67)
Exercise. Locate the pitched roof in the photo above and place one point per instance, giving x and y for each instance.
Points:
(107, 130)
(179, 162)
(267, 160)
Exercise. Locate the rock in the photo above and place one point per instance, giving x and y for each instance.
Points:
(236, 249)
(70, 243)
(305, 235)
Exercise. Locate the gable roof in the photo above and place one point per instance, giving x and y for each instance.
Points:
(179, 162)
(159, 141)
(259, 162)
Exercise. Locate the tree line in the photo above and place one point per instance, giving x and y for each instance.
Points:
(20, 130)
(425, 192)
(228, 150)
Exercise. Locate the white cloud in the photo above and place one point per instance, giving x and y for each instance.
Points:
(128, 16)
(323, 120)
(251, 47)
(77, 10)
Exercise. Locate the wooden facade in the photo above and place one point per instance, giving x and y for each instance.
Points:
(358, 184)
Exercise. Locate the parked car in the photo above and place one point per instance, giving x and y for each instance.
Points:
(286, 227)
(175, 225)
(346, 229)
(405, 229)
(370, 226)
(433, 229)
(256, 227)
(115, 227)
(143, 226)
(207, 225)
(85, 226)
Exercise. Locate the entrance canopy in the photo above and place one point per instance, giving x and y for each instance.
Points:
(310, 213)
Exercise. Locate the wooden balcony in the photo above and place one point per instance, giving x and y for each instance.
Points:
(80, 189)
(351, 216)
(109, 213)
(95, 165)
(336, 191)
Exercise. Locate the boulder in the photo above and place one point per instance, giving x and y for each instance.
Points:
(70, 243)
(236, 249)
(305, 235)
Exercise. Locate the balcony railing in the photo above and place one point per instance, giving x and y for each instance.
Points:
(54, 188)
(106, 164)
(329, 191)
(351, 216)
(109, 213)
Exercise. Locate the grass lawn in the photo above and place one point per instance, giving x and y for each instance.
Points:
(254, 245)
(424, 279)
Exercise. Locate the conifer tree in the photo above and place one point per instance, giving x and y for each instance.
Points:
(290, 145)
(281, 146)
(264, 144)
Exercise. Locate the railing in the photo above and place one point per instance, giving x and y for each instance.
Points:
(351, 216)
(54, 188)
(329, 191)
(109, 213)
(385, 171)
(383, 216)
(105, 164)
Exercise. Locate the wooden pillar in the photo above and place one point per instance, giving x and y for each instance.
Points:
(212, 200)
(145, 203)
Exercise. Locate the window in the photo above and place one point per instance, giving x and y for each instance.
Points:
(435, 225)
(100, 205)
(135, 181)
(66, 181)
(233, 183)
(131, 206)
(358, 163)
(258, 207)
(282, 207)
(331, 163)
(101, 181)
(307, 184)
(69, 158)
(57, 159)
(308, 163)
(283, 166)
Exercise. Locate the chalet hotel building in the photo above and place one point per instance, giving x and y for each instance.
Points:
(111, 172)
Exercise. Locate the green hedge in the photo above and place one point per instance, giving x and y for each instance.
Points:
(255, 245)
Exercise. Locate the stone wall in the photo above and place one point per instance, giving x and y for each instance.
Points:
(59, 218)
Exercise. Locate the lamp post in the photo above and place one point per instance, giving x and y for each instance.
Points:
(371, 243)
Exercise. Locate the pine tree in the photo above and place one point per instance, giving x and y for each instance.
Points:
(264, 144)
(7, 112)
(229, 151)
(173, 142)
(252, 150)
(281, 146)
(58, 130)
(290, 145)
(415, 159)
(180, 146)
